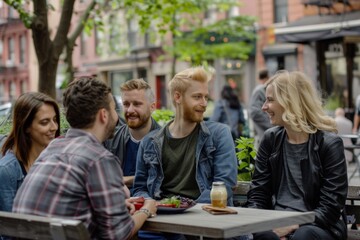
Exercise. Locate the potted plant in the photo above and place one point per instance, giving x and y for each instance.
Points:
(245, 153)
(162, 116)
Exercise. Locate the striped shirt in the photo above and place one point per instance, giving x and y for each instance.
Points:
(76, 177)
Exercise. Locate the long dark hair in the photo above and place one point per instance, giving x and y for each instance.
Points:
(229, 94)
(25, 109)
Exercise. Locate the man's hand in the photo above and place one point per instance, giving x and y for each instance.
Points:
(130, 206)
(282, 232)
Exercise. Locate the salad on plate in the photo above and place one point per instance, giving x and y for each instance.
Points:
(172, 204)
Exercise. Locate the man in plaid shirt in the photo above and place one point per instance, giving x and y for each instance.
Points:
(75, 177)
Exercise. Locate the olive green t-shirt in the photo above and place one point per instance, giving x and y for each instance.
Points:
(179, 165)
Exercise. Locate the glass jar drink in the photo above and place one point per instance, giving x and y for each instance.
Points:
(218, 195)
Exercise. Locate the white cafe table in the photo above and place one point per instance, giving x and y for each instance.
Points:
(195, 221)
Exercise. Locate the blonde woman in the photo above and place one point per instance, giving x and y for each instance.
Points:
(300, 165)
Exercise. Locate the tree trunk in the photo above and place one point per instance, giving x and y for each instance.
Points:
(173, 61)
(47, 76)
(48, 51)
(69, 72)
(71, 41)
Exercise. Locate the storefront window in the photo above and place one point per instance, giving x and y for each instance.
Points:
(117, 79)
(280, 11)
(336, 87)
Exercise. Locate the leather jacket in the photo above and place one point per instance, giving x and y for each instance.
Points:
(324, 177)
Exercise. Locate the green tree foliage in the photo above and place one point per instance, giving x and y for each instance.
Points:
(5, 125)
(230, 38)
(167, 16)
(162, 116)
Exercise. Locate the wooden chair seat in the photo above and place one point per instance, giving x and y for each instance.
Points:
(36, 227)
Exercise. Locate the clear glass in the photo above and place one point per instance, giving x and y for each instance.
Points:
(218, 195)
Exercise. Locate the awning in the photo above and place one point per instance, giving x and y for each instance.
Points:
(319, 27)
(279, 49)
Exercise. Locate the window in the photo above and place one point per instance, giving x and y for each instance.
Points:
(12, 90)
(10, 12)
(23, 87)
(22, 48)
(133, 36)
(142, 73)
(1, 48)
(97, 41)
(2, 97)
(11, 51)
(210, 15)
(280, 11)
(233, 12)
(114, 35)
(82, 44)
(117, 79)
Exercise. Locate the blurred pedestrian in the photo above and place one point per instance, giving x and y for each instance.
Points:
(259, 118)
(36, 122)
(228, 110)
(357, 115)
(344, 126)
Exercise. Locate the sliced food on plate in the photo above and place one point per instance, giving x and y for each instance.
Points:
(171, 202)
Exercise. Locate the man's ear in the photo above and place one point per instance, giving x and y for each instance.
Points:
(103, 115)
(152, 107)
(177, 97)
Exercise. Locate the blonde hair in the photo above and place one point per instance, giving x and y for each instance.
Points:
(183, 79)
(138, 84)
(301, 102)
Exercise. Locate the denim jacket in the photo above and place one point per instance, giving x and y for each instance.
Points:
(215, 161)
(11, 177)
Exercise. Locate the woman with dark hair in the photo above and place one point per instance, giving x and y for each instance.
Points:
(228, 110)
(36, 121)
